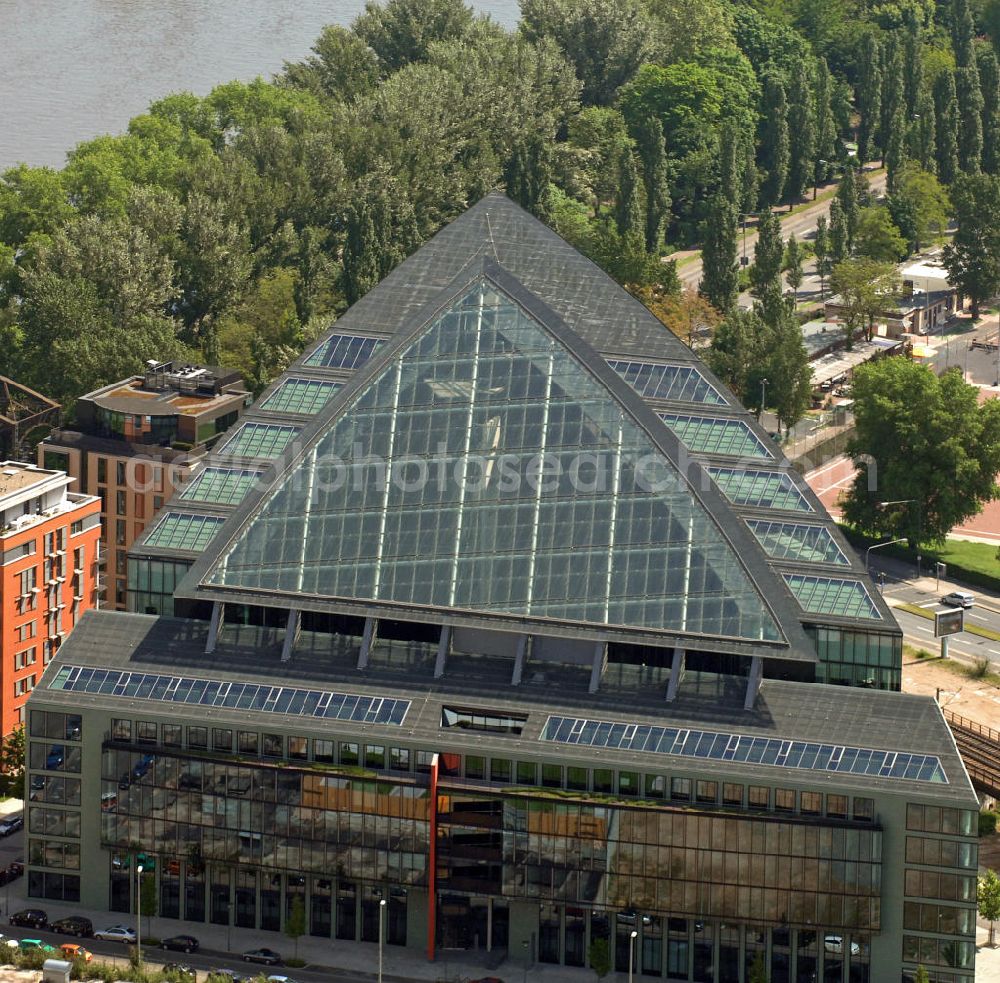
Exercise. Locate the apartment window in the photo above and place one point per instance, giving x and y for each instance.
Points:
(760, 797)
(323, 751)
(120, 503)
(120, 473)
(424, 761)
(706, 791)
(47, 652)
(140, 506)
(500, 770)
(120, 531)
(656, 787)
(784, 800)
(222, 739)
(863, 810)
(76, 527)
(349, 754)
(811, 803)
(273, 745)
(26, 631)
(248, 742)
(24, 659)
(628, 783)
(158, 478)
(551, 776)
(79, 558)
(120, 557)
(298, 748)
(604, 780)
(120, 593)
(374, 756)
(170, 735)
(102, 470)
(25, 685)
(475, 766)
(197, 737)
(732, 794)
(836, 806)
(680, 788)
(145, 731)
(576, 779)
(28, 579)
(527, 773)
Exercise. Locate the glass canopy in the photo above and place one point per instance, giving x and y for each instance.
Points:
(182, 531)
(485, 468)
(300, 396)
(221, 486)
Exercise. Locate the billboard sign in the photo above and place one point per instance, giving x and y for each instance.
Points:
(949, 622)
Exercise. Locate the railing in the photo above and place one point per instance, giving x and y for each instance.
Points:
(979, 747)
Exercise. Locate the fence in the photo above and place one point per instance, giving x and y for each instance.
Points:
(979, 747)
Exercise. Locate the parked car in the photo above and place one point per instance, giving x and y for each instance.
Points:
(27, 945)
(117, 933)
(959, 599)
(180, 971)
(30, 918)
(230, 975)
(280, 979)
(15, 868)
(54, 760)
(266, 956)
(11, 825)
(71, 951)
(73, 925)
(835, 943)
(182, 943)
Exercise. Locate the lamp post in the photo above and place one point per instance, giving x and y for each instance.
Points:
(631, 952)
(763, 394)
(524, 945)
(381, 916)
(743, 219)
(138, 912)
(900, 501)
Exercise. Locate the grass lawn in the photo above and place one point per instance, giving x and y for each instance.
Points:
(981, 557)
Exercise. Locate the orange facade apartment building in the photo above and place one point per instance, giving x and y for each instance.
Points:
(49, 553)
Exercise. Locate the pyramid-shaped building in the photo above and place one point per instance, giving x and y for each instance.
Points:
(497, 606)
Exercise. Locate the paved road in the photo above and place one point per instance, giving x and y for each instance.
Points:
(802, 223)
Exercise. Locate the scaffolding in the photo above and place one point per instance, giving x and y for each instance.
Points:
(22, 412)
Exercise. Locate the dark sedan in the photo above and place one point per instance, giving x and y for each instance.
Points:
(266, 956)
(180, 943)
(30, 918)
(73, 925)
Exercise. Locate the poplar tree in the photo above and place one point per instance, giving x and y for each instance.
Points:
(913, 67)
(838, 234)
(869, 96)
(963, 31)
(653, 153)
(826, 126)
(627, 211)
(793, 265)
(801, 134)
(765, 274)
(527, 175)
(893, 125)
(922, 142)
(989, 82)
(821, 248)
(719, 271)
(969, 99)
(946, 127)
(774, 150)
(847, 198)
(730, 164)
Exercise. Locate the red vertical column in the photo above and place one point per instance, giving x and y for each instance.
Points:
(432, 865)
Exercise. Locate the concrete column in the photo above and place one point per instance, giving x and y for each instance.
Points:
(753, 682)
(597, 667)
(215, 626)
(521, 659)
(368, 642)
(292, 628)
(444, 647)
(676, 674)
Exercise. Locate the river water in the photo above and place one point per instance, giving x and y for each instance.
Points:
(72, 69)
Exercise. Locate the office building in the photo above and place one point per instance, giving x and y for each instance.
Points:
(136, 442)
(530, 631)
(48, 570)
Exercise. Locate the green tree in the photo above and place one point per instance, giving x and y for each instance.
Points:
(342, 66)
(919, 206)
(789, 374)
(801, 134)
(913, 67)
(655, 179)
(149, 898)
(12, 748)
(930, 441)
(972, 258)
(605, 40)
(765, 273)
(877, 237)
(848, 200)
(921, 976)
(774, 141)
(33, 200)
(963, 32)
(736, 354)
(686, 28)
(792, 265)
(528, 173)
(599, 957)
(295, 923)
(402, 31)
(969, 100)
(945, 127)
(892, 130)
(838, 233)
(866, 288)
(988, 900)
(989, 83)
(627, 209)
(720, 274)
(869, 96)
(758, 969)
(825, 146)
(923, 148)
(821, 249)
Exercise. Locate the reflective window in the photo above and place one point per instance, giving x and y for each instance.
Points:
(716, 435)
(760, 489)
(827, 595)
(797, 541)
(307, 396)
(258, 440)
(182, 531)
(341, 351)
(489, 720)
(221, 486)
(683, 383)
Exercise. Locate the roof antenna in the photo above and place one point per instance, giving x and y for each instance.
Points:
(489, 229)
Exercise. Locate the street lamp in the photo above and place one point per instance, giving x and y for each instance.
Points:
(631, 952)
(743, 219)
(900, 501)
(524, 945)
(763, 394)
(381, 915)
(138, 912)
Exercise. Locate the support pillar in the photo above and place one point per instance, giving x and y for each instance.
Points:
(753, 682)
(444, 647)
(292, 629)
(521, 659)
(676, 674)
(215, 626)
(367, 642)
(597, 667)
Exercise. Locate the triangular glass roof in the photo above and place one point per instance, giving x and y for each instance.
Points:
(481, 466)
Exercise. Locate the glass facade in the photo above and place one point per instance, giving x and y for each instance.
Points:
(151, 584)
(829, 595)
(183, 531)
(341, 351)
(716, 435)
(760, 489)
(797, 541)
(306, 396)
(220, 486)
(869, 659)
(258, 440)
(449, 504)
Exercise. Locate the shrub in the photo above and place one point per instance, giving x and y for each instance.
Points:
(980, 668)
(987, 823)
(599, 957)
